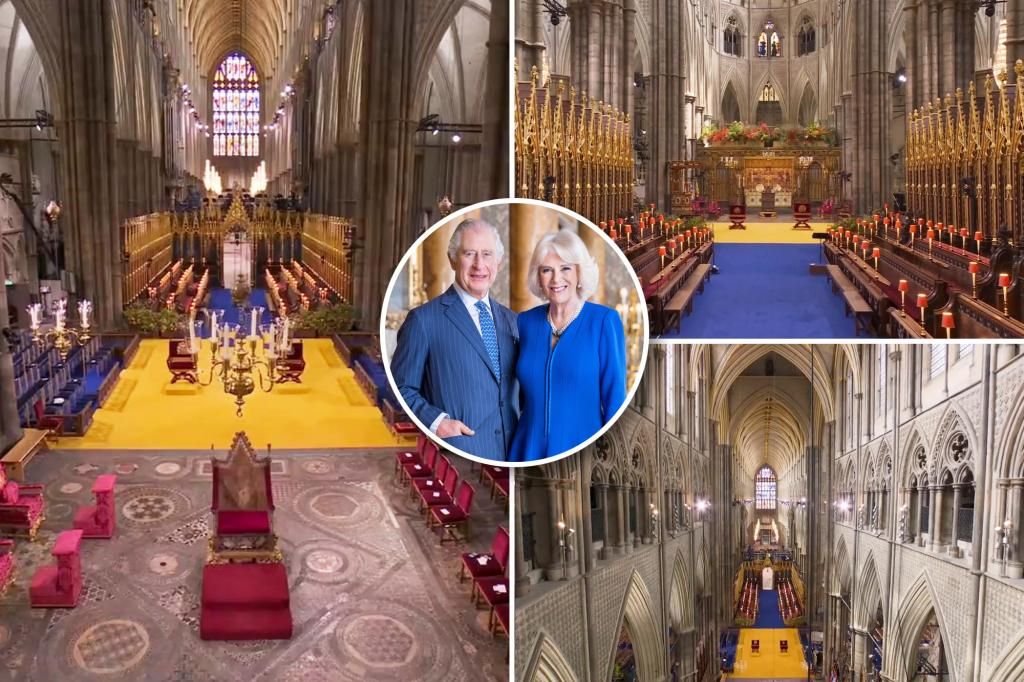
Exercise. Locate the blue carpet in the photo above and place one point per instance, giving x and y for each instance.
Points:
(766, 291)
(768, 614)
(220, 299)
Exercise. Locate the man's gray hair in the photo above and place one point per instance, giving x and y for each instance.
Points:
(473, 224)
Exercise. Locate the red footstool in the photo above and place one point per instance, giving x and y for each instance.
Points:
(97, 521)
(59, 585)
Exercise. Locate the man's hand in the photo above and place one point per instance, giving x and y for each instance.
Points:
(449, 428)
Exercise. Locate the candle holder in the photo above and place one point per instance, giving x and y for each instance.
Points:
(876, 254)
(949, 324)
(974, 267)
(978, 236)
(1004, 284)
(903, 287)
(243, 362)
(62, 337)
(922, 303)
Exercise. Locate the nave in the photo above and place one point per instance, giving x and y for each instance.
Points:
(877, 482)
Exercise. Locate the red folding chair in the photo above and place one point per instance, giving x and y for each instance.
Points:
(450, 517)
(411, 456)
(430, 496)
(431, 482)
(414, 470)
(480, 565)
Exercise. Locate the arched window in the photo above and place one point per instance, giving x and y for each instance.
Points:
(806, 38)
(768, 42)
(236, 108)
(731, 37)
(765, 489)
(768, 93)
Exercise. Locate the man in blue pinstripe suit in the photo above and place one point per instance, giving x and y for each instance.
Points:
(456, 355)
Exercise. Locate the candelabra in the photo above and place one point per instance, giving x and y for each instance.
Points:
(61, 336)
(565, 537)
(235, 358)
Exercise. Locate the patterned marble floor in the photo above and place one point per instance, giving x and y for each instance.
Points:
(373, 595)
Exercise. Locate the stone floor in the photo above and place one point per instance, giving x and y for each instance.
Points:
(373, 594)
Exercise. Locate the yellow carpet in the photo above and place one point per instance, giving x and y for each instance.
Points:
(778, 231)
(769, 663)
(145, 411)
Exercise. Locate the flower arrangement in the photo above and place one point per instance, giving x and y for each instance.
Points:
(738, 132)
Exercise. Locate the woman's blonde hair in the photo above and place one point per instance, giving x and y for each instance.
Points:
(571, 249)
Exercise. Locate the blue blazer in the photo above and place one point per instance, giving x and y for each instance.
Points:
(441, 365)
(572, 390)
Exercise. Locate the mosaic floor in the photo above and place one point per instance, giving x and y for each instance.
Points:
(373, 595)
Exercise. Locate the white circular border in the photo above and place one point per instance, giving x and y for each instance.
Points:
(400, 269)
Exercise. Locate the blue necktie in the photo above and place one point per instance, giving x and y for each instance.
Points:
(490, 336)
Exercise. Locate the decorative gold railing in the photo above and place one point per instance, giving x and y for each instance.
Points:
(146, 250)
(964, 158)
(573, 151)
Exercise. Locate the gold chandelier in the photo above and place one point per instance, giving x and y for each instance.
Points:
(242, 361)
(61, 336)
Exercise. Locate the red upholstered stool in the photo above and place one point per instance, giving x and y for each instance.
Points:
(97, 521)
(60, 584)
(6, 564)
(245, 602)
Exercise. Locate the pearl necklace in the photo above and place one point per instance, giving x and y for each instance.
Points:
(558, 331)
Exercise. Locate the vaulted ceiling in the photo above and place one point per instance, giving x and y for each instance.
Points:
(256, 27)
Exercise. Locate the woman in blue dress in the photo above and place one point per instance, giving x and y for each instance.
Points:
(572, 353)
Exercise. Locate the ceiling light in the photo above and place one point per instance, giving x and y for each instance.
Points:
(435, 131)
(456, 138)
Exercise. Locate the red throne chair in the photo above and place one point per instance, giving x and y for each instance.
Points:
(485, 565)
(181, 362)
(97, 520)
(242, 506)
(784, 646)
(21, 506)
(738, 217)
(291, 365)
(244, 601)
(6, 565)
(755, 646)
(59, 585)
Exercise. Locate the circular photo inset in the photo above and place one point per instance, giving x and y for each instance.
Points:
(514, 331)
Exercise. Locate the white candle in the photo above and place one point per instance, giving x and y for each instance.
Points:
(284, 336)
(213, 325)
(252, 324)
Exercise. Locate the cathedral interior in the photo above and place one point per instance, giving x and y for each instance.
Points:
(878, 486)
(201, 204)
(878, 139)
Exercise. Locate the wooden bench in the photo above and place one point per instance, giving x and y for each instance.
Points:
(682, 302)
(855, 303)
(18, 457)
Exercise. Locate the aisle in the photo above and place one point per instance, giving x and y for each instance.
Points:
(766, 291)
(220, 299)
(768, 615)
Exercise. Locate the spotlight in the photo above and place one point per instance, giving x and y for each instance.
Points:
(456, 138)
(990, 8)
(557, 10)
(435, 131)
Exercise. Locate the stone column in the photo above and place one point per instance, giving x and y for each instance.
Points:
(958, 489)
(553, 571)
(530, 46)
(1014, 565)
(623, 521)
(860, 654)
(494, 148)
(667, 92)
(628, 50)
(522, 569)
(388, 133)
(602, 495)
(872, 94)
(935, 522)
(527, 224)
(1014, 30)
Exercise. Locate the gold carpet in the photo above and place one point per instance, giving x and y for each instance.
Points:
(770, 663)
(768, 231)
(145, 411)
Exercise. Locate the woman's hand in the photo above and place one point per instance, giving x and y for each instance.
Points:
(449, 428)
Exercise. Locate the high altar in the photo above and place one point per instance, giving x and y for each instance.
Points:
(755, 176)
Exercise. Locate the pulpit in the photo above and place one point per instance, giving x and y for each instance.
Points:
(97, 520)
(59, 585)
(242, 506)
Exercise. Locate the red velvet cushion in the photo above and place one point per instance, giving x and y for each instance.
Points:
(10, 493)
(242, 522)
(67, 542)
(241, 585)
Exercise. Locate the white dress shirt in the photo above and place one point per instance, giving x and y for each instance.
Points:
(470, 302)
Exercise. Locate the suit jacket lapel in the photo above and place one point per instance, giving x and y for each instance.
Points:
(459, 316)
(506, 333)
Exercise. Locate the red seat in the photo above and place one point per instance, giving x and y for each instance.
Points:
(490, 591)
(97, 521)
(21, 505)
(59, 585)
(738, 217)
(6, 564)
(451, 516)
(436, 481)
(425, 469)
(499, 619)
(181, 362)
(291, 366)
(478, 565)
(432, 495)
(411, 456)
(241, 522)
(53, 423)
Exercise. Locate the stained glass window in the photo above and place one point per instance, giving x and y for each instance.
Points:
(236, 108)
(764, 491)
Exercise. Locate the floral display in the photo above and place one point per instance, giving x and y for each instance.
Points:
(739, 132)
